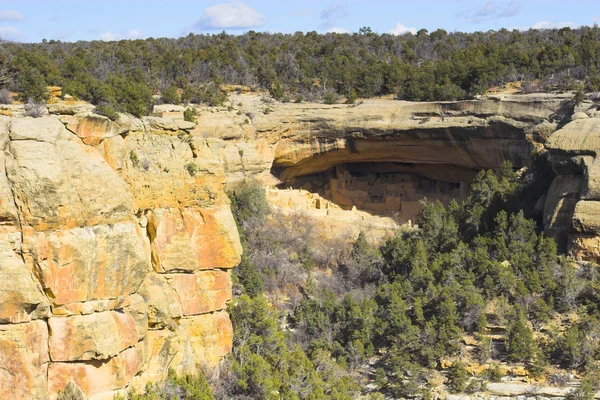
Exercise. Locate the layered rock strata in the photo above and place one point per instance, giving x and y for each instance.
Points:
(116, 245)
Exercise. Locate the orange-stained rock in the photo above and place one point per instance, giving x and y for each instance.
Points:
(163, 303)
(215, 237)
(21, 295)
(163, 349)
(95, 377)
(207, 338)
(23, 361)
(202, 292)
(93, 128)
(171, 242)
(193, 238)
(96, 336)
(88, 263)
(163, 172)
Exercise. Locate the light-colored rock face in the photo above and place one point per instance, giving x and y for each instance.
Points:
(24, 360)
(116, 238)
(115, 246)
(573, 202)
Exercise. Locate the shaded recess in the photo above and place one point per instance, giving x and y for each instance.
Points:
(392, 189)
(389, 171)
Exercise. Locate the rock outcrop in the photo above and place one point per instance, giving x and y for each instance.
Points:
(572, 212)
(116, 247)
(117, 241)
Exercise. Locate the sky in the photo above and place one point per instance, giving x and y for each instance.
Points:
(35, 20)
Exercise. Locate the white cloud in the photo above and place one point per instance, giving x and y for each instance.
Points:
(492, 11)
(11, 34)
(332, 14)
(130, 34)
(401, 29)
(234, 15)
(10, 16)
(338, 30)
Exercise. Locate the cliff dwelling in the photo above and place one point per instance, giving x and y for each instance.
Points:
(390, 189)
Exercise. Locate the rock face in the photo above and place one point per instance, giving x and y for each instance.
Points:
(105, 260)
(573, 204)
(117, 241)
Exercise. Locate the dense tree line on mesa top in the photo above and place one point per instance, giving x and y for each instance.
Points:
(425, 66)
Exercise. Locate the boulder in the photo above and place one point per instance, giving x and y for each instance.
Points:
(69, 107)
(21, 295)
(94, 128)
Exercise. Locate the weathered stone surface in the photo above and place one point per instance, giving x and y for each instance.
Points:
(97, 336)
(202, 292)
(24, 361)
(93, 128)
(184, 125)
(162, 172)
(207, 339)
(96, 377)
(47, 129)
(163, 351)
(21, 296)
(90, 263)
(136, 307)
(69, 107)
(193, 238)
(586, 217)
(164, 307)
(60, 182)
(578, 137)
(159, 125)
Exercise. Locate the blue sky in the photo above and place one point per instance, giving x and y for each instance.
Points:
(34, 20)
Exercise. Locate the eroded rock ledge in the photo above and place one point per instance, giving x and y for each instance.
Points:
(116, 238)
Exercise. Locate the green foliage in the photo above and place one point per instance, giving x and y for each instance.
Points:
(520, 345)
(190, 114)
(248, 200)
(457, 377)
(277, 91)
(70, 392)
(188, 387)
(330, 98)
(171, 96)
(32, 85)
(131, 93)
(249, 277)
(107, 110)
(265, 367)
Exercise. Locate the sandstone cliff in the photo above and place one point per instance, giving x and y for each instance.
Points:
(116, 245)
(117, 239)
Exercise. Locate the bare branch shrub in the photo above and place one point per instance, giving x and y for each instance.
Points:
(5, 97)
(35, 109)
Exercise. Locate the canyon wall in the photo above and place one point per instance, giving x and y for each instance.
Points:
(116, 243)
(117, 240)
